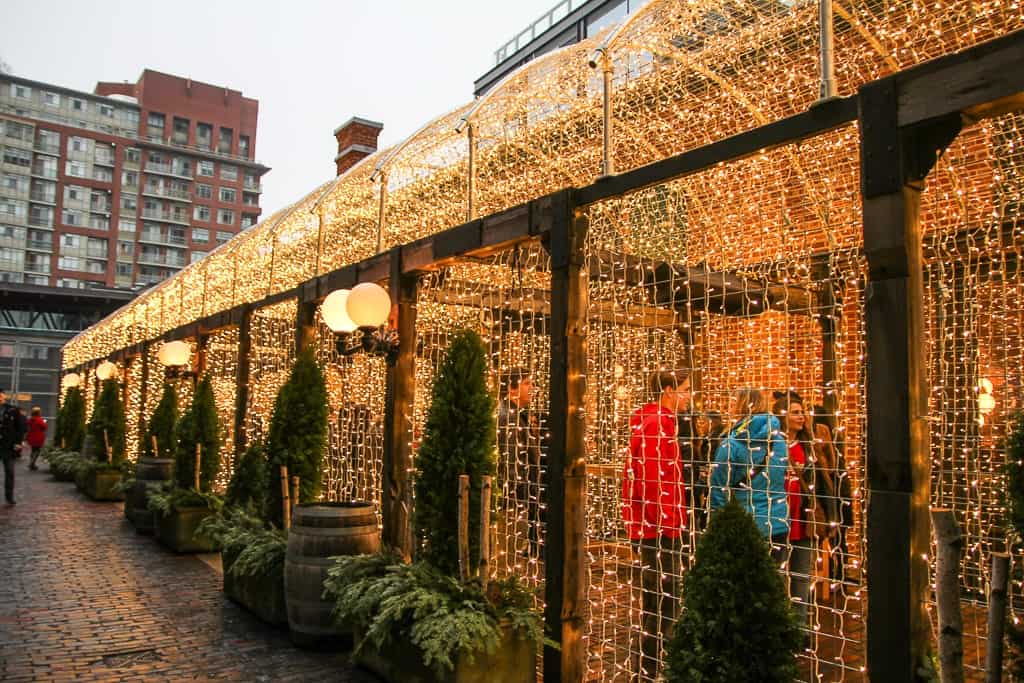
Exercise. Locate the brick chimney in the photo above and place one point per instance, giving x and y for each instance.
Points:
(357, 139)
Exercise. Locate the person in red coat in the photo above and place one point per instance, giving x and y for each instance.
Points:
(36, 435)
(654, 510)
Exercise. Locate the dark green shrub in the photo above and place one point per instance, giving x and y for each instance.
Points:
(458, 438)
(248, 485)
(297, 435)
(161, 425)
(737, 624)
(1014, 499)
(71, 421)
(198, 426)
(107, 426)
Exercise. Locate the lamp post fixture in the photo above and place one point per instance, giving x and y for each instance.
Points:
(363, 309)
(106, 370)
(71, 380)
(175, 356)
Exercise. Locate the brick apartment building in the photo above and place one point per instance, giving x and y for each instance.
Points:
(103, 192)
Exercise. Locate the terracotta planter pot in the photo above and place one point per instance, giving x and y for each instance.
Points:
(101, 485)
(514, 661)
(177, 530)
(261, 594)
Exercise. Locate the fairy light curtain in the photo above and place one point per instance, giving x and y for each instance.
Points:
(132, 374)
(221, 366)
(271, 356)
(972, 218)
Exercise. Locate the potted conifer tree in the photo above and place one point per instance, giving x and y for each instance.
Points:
(180, 510)
(100, 479)
(156, 462)
(737, 624)
(422, 622)
(64, 459)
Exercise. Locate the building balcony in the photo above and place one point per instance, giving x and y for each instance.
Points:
(40, 245)
(52, 150)
(252, 187)
(176, 195)
(97, 207)
(158, 260)
(167, 169)
(161, 239)
(42, 198)
(166, 216)
(104, 160)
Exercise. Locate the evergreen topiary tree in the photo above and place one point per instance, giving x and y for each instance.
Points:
(298, 435)
(161, 425)
(737, 624)
(71, 421)
(198, 426)
(248, 485)
(1014, 498)
(107, 426)
(458, 438)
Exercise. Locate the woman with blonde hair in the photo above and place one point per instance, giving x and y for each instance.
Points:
(750, 465)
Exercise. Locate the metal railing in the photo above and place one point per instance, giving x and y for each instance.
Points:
(165, 216)
(546, 21)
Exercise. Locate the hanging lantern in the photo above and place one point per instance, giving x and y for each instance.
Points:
(335, 313)
(174, 354)
(106, 370)
(71, 380)
(369, 305)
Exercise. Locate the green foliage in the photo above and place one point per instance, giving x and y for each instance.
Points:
(198, 426)
(458, 438)
(65, 463)
(261, 551)
(165, 500)
(71, 421)
(1014, 500)
(298, 435)
(248, 485)
(737, 624)
(161, 425)
(418, 603)
(107, 425)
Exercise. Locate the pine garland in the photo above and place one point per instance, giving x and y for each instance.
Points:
(737, 624)
(458, 438)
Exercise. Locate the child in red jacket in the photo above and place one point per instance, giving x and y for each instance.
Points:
(654, 509)
(36, 435)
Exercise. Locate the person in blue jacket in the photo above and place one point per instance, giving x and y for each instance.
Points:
(750, 465)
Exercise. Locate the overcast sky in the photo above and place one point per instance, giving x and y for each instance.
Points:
(312, 64)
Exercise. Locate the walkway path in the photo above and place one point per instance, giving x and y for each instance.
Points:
(85, 598)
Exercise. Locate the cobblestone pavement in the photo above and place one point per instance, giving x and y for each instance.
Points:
(85, 598)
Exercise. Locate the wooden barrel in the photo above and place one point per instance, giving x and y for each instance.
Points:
(318, 532)
(149, 473)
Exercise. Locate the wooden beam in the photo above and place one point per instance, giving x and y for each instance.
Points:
(396, 494)
(983, 81)
(821, 118)
(566, 474)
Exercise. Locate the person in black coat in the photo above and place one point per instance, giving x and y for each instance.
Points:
(12, 431)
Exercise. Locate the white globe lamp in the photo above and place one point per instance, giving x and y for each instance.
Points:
(71, 380)
(106, 370)
(335, 312)
(368, 305)
(174, 354)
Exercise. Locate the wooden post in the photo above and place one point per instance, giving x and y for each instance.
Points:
(464, 527)
(566, 461)
(949, 544)
(242, 388)
(305, 326)
(106, 443)
(199, 459)
(485, 529)
(894, 162)
(396, 494)
(996, 617)
(144, 390)
(156, 449)
(286, 509)
(295, 491)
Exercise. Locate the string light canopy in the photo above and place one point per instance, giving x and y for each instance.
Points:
(106, 370)
(366, 307)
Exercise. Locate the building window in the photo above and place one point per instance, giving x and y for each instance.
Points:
(204, 135)
(132, 155)
(46, 167)
(70, 217)
(228, 172)
(155, 122)
(200, 235)
(223, 236)
(79, 105)
(196, 255)
(227, 195)
(204, 191)
(124, 270)
(106, 111)
(200, 212)
(43, 191)
(51, 99)
(17, 157)
(205, 168)
(248, 220)
(48, 141)
(130, 178)
(16, 183)
(77, 144)
(243, 146)
(40, 216)
(18, 131)
(181, 127)
(21, 91)
(71, 263)
(129, 202)
(126, 225)
(224, 143)
(226, 217)
(76, 169)
(11, 209)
